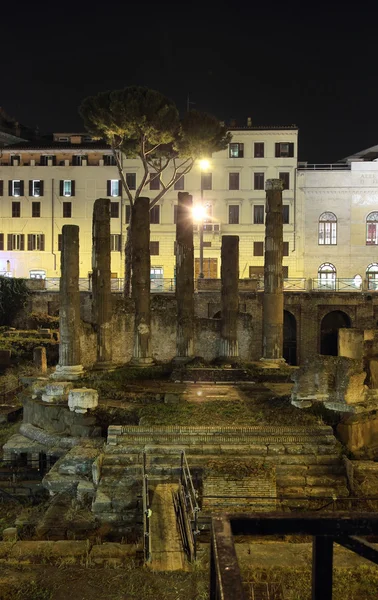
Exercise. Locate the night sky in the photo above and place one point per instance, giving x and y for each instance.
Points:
(309, 64)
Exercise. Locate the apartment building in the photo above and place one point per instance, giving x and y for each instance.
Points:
(46, 185)
(337, 221)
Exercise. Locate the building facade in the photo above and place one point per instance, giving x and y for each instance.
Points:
(44, 186)
(337, 222)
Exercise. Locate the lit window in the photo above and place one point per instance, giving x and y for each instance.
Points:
(327, 229)
(372, 276)
(327, 275)
(16, 187)
(115, 242)
(284, 149)
(372, 229)
(36, 188)
(236, 150)
(67, 186)
(114, 187)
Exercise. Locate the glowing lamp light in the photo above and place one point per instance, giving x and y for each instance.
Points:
(204, 164)
(199, 212)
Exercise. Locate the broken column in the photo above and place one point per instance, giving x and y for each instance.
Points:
(184, 277)
(140, 235)
(69, 367)
(273, 277)
(229, 296)
(101, 291)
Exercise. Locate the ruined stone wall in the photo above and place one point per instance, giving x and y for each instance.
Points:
(307, 308)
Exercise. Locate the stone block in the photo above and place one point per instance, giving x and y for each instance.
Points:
(82, 399)
(276, 449)
(85, 490)
(39, 358)
(5, 358)
(170, 398)
(102, 503)
(56, 391)
(10, 534)
(105, 554)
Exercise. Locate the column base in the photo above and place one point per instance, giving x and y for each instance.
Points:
(141, 362)
(104, 366)
(68, 373)
(272, 363)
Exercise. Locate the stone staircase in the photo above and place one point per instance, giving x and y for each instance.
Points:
(306, 461)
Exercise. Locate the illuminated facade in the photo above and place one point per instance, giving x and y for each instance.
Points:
(44, 186)
(337, 220)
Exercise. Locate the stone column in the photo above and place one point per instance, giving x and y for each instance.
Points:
(69, 366)
(101, 292)
(273, 279)
(184, 277)
(229, 296)
(140, 235)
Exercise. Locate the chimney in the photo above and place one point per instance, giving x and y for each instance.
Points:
(233, 123)
(249, 122)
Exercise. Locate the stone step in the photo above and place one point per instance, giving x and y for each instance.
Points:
(259, 429)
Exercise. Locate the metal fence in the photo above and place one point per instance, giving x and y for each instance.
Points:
(326, 529)
(290, 284)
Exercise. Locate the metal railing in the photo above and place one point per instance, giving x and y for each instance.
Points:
(324, 167)
(295, 284)
(225, 577)
(290, 284)
(146, 513)
(188, 497)
(336, 285)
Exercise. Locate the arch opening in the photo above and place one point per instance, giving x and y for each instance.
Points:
(329, 331)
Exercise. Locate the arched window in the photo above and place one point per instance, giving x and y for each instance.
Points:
(327, 276)
(372, 229)
(327, 228)
(357, 281)
(372, 276)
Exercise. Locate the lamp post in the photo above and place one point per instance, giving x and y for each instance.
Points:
(204, 165)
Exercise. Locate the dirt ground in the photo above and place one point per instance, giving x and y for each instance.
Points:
(79, 583)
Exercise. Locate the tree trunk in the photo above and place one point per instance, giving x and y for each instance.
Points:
(128, 260)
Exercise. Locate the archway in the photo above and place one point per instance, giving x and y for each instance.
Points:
(329, 331)
(290, 338)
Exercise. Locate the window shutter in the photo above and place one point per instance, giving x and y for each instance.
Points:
(21, 187)
(61, 187)
(119, 187)
(1, 241)
(30, 187)
(1, 187)
(22, 242)
(108, 187)
(10, 187)
(30, 241)
(41, 187)
(42, 242)
(72, 187)
(10, 241)
(278, 150)
(291, 149)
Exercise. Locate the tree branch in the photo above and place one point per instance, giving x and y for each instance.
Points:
(121, 173)
(171, 183)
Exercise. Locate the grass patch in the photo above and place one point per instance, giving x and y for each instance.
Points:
(274, 411)
(348, 584)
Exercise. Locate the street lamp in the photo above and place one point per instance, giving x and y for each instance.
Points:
(204, 164)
